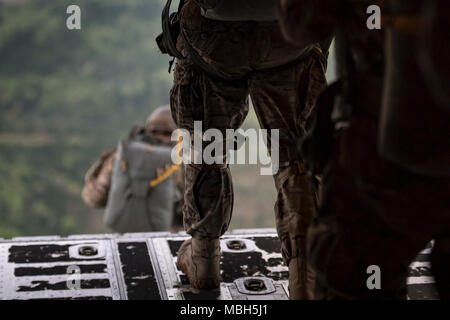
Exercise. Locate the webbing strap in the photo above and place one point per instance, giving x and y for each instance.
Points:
(167, 38)
(162, 176)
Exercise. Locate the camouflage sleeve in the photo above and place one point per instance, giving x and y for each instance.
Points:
(98, 181)
(305, 22)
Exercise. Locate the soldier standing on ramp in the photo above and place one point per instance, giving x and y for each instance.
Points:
(374, 212)
(229, 50)
(414, 132)
(345, 236)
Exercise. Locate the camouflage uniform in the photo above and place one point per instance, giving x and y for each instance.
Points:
(410, 137)
(414, 130)
(372, 212)
(283, 90)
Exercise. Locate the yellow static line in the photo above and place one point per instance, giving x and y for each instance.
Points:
(164, 175)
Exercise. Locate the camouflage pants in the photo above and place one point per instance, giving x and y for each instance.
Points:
(375, 213)
(283, 94)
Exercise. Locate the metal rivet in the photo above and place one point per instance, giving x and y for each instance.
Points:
(236, 245)
(254, 285)
(88, 251)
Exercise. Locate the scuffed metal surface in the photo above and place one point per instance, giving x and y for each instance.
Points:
(260, 258)
(40, 270)
(137, 271)
(420, 283)
(143, 266)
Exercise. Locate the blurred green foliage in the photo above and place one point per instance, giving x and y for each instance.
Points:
(65, 96)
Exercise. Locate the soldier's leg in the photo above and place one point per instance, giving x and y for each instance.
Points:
(440, 263)
(350, 235)
(284, 99)
(305, 22)
(208, 196)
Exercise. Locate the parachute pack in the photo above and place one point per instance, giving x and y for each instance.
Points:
(142, 190)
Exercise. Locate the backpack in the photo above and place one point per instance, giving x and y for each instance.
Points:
(141, 197)
(239, 10)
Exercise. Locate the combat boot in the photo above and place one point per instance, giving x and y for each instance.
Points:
(200, 261)
(301, 280)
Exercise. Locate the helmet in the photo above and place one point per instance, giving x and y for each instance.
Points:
(161, 120)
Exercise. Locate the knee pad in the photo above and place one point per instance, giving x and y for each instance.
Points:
(208, 200)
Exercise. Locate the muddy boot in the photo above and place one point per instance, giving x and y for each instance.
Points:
(301, 280)
(200, 261)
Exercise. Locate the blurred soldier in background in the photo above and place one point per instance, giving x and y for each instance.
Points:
(156, 132)
(373, 212)
(228, 50)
